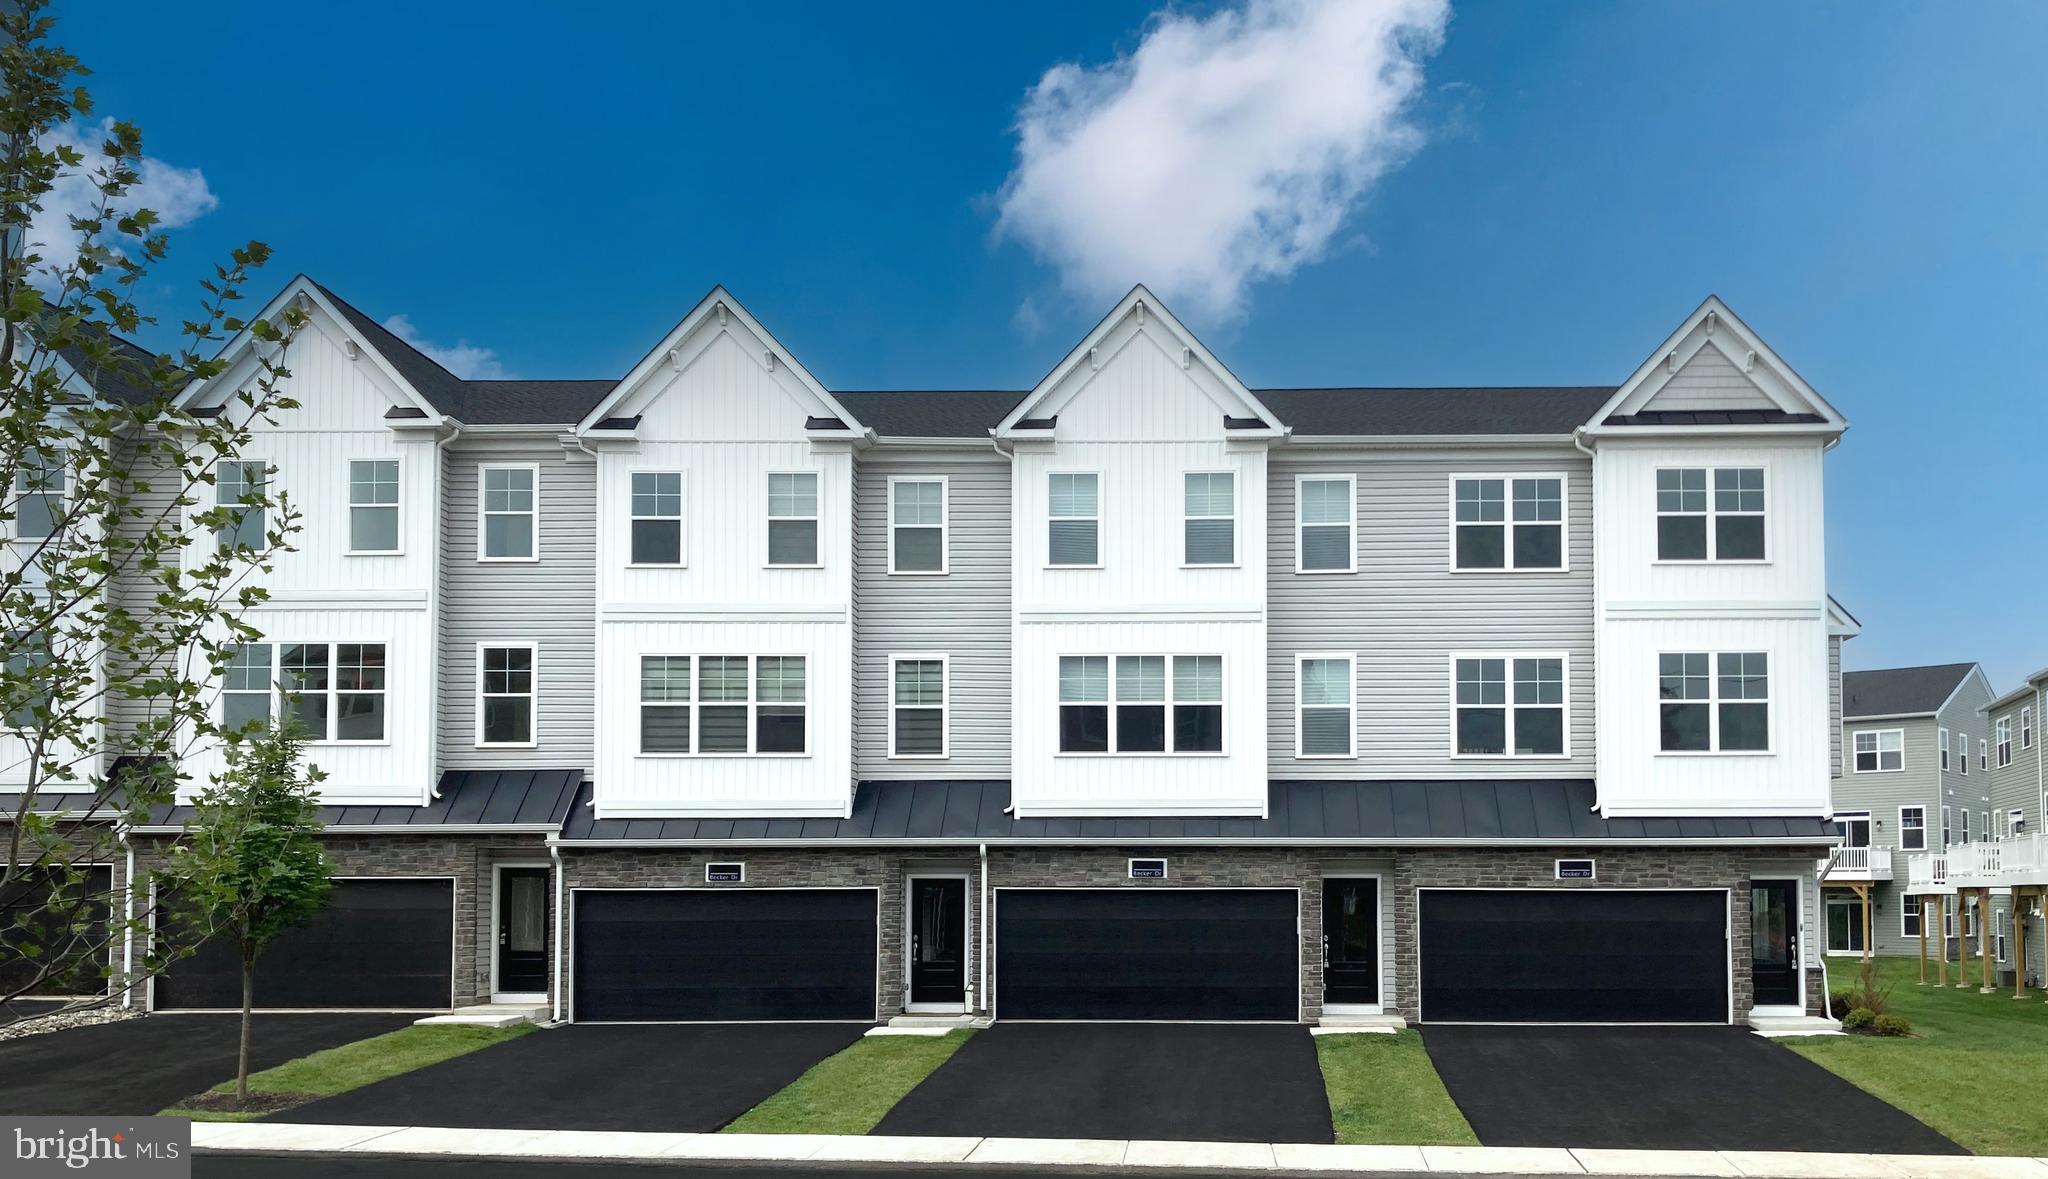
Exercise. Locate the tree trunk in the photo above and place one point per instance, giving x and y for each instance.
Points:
(248, 1006)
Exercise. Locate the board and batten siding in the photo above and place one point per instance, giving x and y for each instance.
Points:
(1404, 613)
(550, 602)
(1835, 705)
(964, 615)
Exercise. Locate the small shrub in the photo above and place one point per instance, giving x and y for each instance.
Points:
(1859, 1017)
(1865, 991)
(1892, 1025)
(1838, 1004)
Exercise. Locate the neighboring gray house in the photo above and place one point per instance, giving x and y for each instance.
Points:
(2019, 778)
(1913, 780)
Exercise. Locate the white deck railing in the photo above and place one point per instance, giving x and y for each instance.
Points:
(1927, 872)
(1860, 863)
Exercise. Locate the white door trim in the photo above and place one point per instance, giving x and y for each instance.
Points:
(498, 890)
(1380, 927)
(966, 880)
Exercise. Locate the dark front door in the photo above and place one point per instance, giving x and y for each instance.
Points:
(1351, 941)
(522, 931)
(938, 935)
(1774, 943)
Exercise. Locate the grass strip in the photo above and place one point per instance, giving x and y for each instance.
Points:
(1384, 1090)
(349, 1066)
(849, 1091)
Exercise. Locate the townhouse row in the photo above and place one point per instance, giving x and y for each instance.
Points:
(712, 693)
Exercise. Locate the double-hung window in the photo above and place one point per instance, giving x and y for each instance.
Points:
(1504, 522)
(793, 519)
(1322, 709)
(28, 659)
(238, 488)
(1714, 702)
(507, 687)
(748, 704)
(373, 506)
(657, 517)
(1150, 704)
(1073, 520)
(1947, 825)
(1726, 525)
(335, 691)
(1323, 506)
(917, 526)
(1963, 754)
(1209, 522)
(1942, 741)
(1880, 751)
(2003, 731)
(38, 495)
(1912, 828)
(1909, 917)
(1983, 754)
(1508, 705)
(664, 704)
(509, 515)
(917, 709)
(2026, 728)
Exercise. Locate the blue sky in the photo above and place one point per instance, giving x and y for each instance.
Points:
(1557, 187)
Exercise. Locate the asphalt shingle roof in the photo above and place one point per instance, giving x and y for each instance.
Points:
(1900, 691)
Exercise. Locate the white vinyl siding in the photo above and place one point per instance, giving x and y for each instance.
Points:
(373, 517)
(1324, 718)
(1880, 751)
(917, 525)
(1324, 510)
(508, 513)
(1209, 523)
(1073, 522)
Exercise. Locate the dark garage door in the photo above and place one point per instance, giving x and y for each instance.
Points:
(1572, 956)
(739, 954)
(378, 944)
(65, 921)
(1156, 953)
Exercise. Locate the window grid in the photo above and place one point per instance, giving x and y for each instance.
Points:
(793, 519)
(235, 483)
(1152, 705)
(1714, 702)
(918, 539)
(1913, 828)
(735, 706)
(507, 695)
(1323, 717)
(1879, 751)
(1073, 520)
(338, 691)
(1209, 519)
(508, 513)
(665, 704)
(918, 719)
(1715, 514)
(2003, 731)
(656, 518)
(373, 506)
(1941, 739)
(1324, 511)
(2026, 728)
(1508, 523)
(1509, 705)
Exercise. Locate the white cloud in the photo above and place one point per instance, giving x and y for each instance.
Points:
(1221, 150)
(464, 359)
(179, 197)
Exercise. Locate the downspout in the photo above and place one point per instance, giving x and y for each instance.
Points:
(555, 854)
(127, 920)
(986, 1005)
(434, 614)
(1579, 441)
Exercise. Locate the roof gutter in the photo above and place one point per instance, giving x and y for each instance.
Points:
(398, 828)
(1412, 440)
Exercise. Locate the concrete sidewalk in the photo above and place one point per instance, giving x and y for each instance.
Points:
(286, 1138)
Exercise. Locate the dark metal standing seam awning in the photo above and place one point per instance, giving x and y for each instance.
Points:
(1486, 812)
(484, 801)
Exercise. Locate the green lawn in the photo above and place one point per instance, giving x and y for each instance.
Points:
(351, 1066)
(1972, 1070)
(847, 1093)
(1383, 1089)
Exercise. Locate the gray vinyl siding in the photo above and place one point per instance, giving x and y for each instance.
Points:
(1972, 791)
(964, 614)
(1403, 614)
(2017, 786)
(551, 603)
(1709, 381)
(1882, 794)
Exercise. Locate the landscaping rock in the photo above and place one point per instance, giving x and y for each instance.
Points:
(58, 1020)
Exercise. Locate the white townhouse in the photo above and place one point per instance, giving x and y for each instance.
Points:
(714, 693)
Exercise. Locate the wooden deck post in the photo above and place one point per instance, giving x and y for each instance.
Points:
(1921, 904)
(1962, 937)
(1984, 940)
(1941, 934)
(1863, 894)
(2019, 943)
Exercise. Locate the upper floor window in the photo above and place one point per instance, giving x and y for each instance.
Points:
(235, 484)
(1726, 526)
(1501, 522)
(373, 506)
(336, 691)
(27, 660)
(1141, 709)
(793, 519)
(1912, 828)
(1508, 705)
(657, 517)
(1209, 522)
(1853, 827)
(917, 709)
(1947, 825)
(1983, 754)
(507, 688)
(1322, 524)
(1880, 751)
(1714, 702)
(1963, 754)
(664, 704)
(917, 525)
(736, 706)
(1942, 740)
(2026, 728)
(1322, 712)
(509, 513)
(38, 496)
(2003, 731)
(1073, 520)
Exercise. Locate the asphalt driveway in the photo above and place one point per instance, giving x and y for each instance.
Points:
(1707, 1088)
(138, 1066)
(1190, 1082)
(678, 1078)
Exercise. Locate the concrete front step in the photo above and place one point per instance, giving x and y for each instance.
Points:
(490, 1015)
(1775, 1026)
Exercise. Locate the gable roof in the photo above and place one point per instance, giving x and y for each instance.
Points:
(1901, 691)
(1713, 325)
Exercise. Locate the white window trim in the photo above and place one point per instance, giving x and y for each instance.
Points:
(1947, 826)
(1507, 524)
(532, 692)
(1847, 817)
(1713, 702)
(2027, 727)
(397, 508)
(945, 663)
(1942, 739)
(1983, 826)
(1878, 735)
(817, 517)
(1350, 659)
(269, 488)
(1770, 481)
(1100, 547)
(1236, 540)
(945, 525)
(483, 515)
(682, 518)
(278, 694)
(1168, 701)
(1910, 907)
(2002, 731)
(1983, 754)
(15, 495)
(1565, 667)
(752, 704)
(1351, 523)
(1913, 806)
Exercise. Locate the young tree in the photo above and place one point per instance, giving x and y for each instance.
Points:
(251, 865)
(129, 529)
